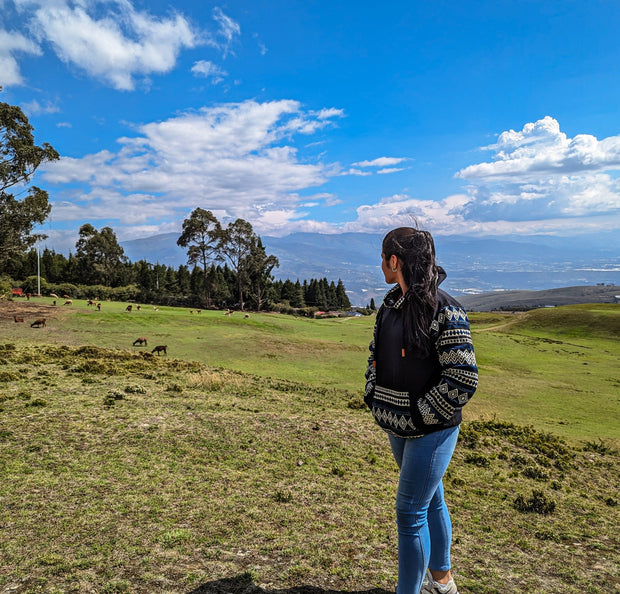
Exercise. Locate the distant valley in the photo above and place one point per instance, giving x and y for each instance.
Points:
(474, 266)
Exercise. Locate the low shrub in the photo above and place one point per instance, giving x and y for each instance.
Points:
(538, 503)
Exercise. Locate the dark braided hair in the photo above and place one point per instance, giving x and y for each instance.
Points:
(415, 250)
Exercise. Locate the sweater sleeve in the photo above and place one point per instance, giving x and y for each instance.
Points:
(371, 370)
(459, 374)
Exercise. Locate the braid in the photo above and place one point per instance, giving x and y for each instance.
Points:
(416, 251)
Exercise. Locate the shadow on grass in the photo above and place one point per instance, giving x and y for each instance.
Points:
(243, 584)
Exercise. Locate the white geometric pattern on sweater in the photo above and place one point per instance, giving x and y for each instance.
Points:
(457, 357)
(452, 314)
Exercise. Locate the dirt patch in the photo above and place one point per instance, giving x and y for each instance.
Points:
(27, 310)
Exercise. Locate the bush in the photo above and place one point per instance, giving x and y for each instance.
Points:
(31, 285)
(478, 460)
(6, 287)
(600, 447)
(538, 503)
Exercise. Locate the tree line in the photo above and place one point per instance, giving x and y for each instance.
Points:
(94, 271)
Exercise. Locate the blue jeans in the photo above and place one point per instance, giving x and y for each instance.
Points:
(424, 527)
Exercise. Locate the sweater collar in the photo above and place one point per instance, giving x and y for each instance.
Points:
(394, 298)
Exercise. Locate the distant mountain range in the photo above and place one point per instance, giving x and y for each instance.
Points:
(473, 265)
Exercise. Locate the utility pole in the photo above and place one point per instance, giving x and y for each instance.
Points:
(38, 269)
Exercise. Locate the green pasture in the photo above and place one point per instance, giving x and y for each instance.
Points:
(553, 368)
(245, 462)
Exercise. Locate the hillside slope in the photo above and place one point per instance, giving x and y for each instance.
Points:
(550, 297)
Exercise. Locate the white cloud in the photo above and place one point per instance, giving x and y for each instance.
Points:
(381, 162)
(451, 216)
(445, 215)
(12, 43)
(542, 149)
(228, 30)
(390, 170)
(353, 171)
(110, 40)
(240, 160)
(35, 108)
(235, 158)
(541, 179)
(207, 69)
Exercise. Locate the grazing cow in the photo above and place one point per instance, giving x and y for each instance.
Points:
(128, 308)
(140, 341)
(90, 302)
(160, 348)
(54, 295)
(18, 319)
(229, 312)
(38, 323)
(156, 308)
(66, 297)
(246, 316)
(199, 311)
(68, 302)
(138, 307)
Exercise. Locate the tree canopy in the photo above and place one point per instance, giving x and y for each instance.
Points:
(99, 255)
(19, 159)
(201, 232)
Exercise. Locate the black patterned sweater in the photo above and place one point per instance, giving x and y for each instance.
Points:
(411, 396)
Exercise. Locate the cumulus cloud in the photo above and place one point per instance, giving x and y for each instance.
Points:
(452, 216)
(540, 177)
(446, 216)
(240, 161)
(109, 40)
(540, 148)
(235, 158)
(11, 44)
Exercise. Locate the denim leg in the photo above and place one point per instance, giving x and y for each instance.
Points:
(424, 529)
(440, 528)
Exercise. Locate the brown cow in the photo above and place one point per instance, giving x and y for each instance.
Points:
(38, 323)
(128, 308)
(140, 341)
(160, 348)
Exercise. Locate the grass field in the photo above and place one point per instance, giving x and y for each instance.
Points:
(247, 463)
(555, 369)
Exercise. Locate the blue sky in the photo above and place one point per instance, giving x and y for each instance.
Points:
(481, 118)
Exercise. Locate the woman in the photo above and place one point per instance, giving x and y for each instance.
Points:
(421, 372)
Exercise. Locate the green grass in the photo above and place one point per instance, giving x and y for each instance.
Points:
(555, 369)
(126, 472)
